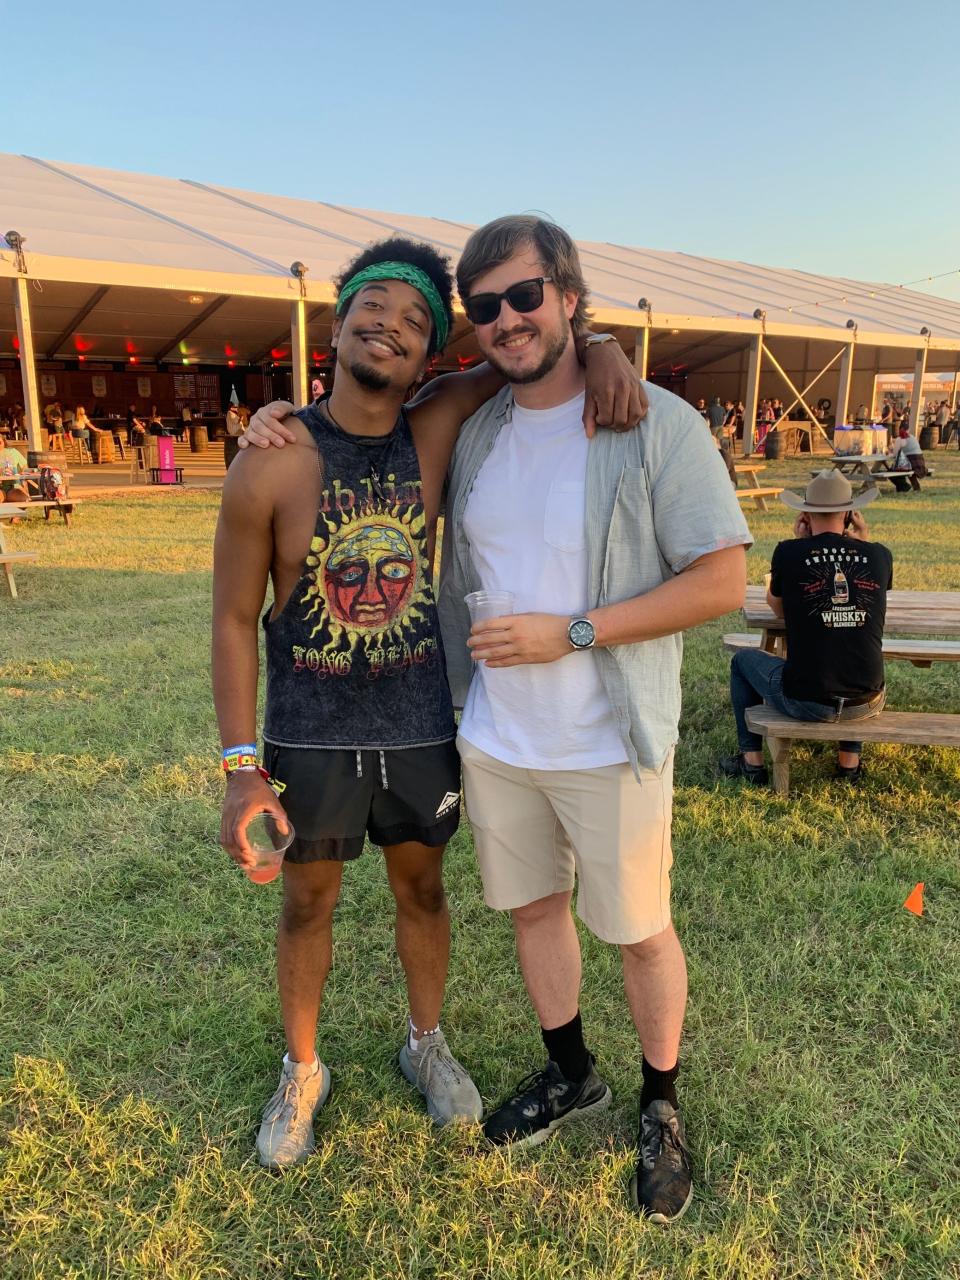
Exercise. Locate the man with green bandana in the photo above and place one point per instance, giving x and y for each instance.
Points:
(359, 733)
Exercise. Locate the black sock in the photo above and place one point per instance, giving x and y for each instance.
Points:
(659, 1085)
(565, 1046)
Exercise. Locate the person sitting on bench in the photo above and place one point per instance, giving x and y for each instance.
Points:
(908, 456)
(829, 583)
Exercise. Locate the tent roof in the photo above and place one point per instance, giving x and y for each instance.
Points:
(91, 226)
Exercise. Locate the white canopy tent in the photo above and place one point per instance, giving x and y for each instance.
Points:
(182, 270)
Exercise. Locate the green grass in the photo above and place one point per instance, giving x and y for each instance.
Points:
(139, 1029)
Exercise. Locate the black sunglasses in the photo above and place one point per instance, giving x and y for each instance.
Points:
(524, 296)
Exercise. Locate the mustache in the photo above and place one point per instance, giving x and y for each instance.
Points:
(392, 343)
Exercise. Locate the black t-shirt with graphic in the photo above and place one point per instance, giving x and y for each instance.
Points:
(834, 592)
(354, 658)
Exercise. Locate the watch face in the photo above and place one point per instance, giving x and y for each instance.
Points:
(581, 634)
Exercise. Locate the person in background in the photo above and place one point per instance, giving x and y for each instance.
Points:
(716, 417)
(155, 425)
(886, 418)
(80, 426)
(765, 421)
(701, 408)
(12, 461)
(942, 418)
(186, 418)
(234, 426)
(829, 583)
(134, 425)
(907, 455)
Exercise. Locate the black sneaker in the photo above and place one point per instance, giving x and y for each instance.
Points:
(852, 774)
(661, 1188)
(737, 767)
(543, 1100)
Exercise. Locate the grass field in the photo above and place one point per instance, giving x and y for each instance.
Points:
(140, 1034)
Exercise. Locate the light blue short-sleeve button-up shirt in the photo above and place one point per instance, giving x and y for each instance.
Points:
(657, 499)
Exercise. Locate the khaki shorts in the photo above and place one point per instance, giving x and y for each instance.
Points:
(536, 830)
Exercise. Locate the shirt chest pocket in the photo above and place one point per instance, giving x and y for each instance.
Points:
(563, 516)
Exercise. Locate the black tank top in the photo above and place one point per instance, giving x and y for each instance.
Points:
(355, 660)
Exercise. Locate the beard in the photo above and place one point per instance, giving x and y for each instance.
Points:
(366, 376)
(553, 350)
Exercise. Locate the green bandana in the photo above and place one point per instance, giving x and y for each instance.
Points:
(410, 274)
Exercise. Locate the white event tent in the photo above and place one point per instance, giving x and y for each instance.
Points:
(187, 272)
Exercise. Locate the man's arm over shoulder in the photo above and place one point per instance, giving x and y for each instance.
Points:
(440, 408)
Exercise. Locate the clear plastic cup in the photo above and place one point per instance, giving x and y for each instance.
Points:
(268, 844)
(488, 604)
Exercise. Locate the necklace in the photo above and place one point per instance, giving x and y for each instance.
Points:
(375, 482)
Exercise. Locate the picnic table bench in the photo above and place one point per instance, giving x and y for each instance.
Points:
(49, 505)
(922, 653)
(9, 511)
(919, 728)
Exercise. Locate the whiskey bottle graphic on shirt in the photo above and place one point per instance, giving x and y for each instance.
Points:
(841, 592)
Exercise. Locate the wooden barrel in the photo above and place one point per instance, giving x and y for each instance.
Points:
(772, 445)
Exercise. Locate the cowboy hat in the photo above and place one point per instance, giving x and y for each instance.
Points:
(826, 492)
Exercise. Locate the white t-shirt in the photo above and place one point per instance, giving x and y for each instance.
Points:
(525, 524)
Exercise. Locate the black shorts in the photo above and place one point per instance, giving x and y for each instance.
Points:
(335, 798)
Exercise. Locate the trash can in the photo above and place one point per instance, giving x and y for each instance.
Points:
(773, 445)
(926, 437)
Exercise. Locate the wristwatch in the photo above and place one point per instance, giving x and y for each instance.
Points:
(594, 339)
(581, 634)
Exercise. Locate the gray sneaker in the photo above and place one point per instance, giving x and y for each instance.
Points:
(286, 1131)
(449, 1091)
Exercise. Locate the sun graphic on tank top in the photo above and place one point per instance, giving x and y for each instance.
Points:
(368, 583)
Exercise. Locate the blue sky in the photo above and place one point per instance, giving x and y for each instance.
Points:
(821, 136)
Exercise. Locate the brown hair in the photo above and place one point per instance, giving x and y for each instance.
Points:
(498, 241)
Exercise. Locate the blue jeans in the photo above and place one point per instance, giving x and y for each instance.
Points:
(756, 676)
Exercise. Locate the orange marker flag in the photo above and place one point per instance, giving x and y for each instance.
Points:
(914, 900)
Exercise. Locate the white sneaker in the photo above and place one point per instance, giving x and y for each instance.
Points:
(449, 1091)
(286, 1131)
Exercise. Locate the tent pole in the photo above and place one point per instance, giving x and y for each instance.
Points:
(751, 398)
(28, 363)
(916, 399)
(298, 350)
(641, 352)
(843, 387)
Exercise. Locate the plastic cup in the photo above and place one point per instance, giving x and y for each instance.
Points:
(268, 844)
(488, 604)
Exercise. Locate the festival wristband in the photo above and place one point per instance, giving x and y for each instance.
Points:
(248, 748)
(236, 760)
(251, 768)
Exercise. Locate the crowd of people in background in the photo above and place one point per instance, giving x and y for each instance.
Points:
(70, 424)
(726, 419)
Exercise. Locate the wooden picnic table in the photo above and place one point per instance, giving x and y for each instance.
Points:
(10, 511)
(922, 613)
(751, 470)
(864, 468)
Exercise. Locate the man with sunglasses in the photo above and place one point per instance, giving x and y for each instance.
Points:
(610, 548)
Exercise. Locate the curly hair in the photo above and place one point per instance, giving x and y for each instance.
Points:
(418, 254)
